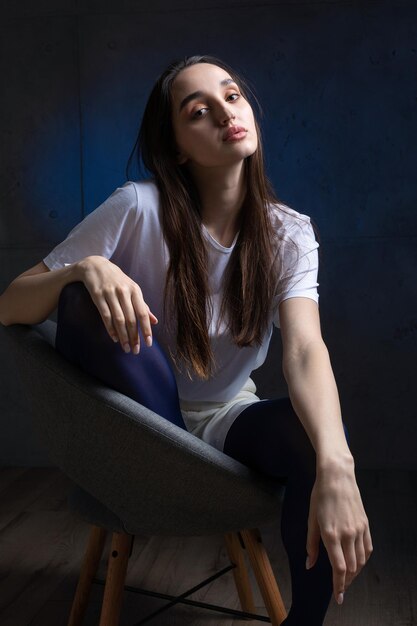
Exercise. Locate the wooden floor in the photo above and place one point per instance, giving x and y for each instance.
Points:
(42, 543)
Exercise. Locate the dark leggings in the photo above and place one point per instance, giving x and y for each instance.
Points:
(267, 436)
(83, 339)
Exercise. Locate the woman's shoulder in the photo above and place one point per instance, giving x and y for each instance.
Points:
(285, 218)
(292, 227)
(144, 192)
(137, 198)
(146, 187)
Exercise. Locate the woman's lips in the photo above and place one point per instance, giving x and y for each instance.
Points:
(234, 133)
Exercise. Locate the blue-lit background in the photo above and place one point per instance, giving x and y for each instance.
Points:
(338, 85)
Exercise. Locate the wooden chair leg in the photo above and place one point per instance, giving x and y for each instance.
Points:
(240, 572)
(264, 575)
(115, 579)
(88, 571)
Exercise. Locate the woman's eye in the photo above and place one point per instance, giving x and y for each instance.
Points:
(196, 114)
(199, 113)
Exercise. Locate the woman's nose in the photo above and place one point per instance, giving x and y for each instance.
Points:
(226, 115)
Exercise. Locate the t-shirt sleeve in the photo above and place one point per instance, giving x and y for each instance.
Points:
(103, 232)
(300, 264)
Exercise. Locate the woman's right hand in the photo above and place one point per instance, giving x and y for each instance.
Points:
(119, 301)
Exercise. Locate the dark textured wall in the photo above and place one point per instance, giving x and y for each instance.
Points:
(338, 85)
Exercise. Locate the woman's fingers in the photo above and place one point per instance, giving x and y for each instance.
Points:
(131, 322)
(153, 318)
(367, 542)
(344, 564)
(119, 301)
(144, 316)
(362, 552)
(129, 309)
(119, 321)
(106, 316)
(349, 549)
(347, 555)
(343, 524)
(338, 563)
(360, 560)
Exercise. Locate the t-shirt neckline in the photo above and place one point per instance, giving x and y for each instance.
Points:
(216, 244)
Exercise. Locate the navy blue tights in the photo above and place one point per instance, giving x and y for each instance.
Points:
(83, 339)
(267, 436)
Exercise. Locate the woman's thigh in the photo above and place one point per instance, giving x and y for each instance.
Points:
(269, 436)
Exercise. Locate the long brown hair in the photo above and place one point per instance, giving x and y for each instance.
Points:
(250, 281)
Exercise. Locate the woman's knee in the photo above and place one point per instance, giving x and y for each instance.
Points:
(269, 436)
(79, 324)
(77, 309)
(290, 429)
(83, 339)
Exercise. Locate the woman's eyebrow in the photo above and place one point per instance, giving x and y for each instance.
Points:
(199, 94)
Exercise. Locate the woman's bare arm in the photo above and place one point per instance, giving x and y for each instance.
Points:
(33, 295)
(310, 379)
(336, 510)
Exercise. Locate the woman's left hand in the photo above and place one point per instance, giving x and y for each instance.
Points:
(338, 516)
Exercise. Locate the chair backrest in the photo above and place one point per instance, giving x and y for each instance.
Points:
(156, 477)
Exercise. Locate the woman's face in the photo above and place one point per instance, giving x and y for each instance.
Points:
(204, 100)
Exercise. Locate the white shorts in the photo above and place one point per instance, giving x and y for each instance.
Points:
(210, 421)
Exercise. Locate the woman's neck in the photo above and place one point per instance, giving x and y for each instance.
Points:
(222, 192)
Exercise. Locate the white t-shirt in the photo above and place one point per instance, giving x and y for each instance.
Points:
(126, 228)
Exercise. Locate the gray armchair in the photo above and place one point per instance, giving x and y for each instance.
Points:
(137, 473)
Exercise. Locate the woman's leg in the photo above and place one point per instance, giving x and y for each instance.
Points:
(83, 339)
(269, 437)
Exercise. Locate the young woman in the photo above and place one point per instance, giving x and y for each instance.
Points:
(187, 272)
